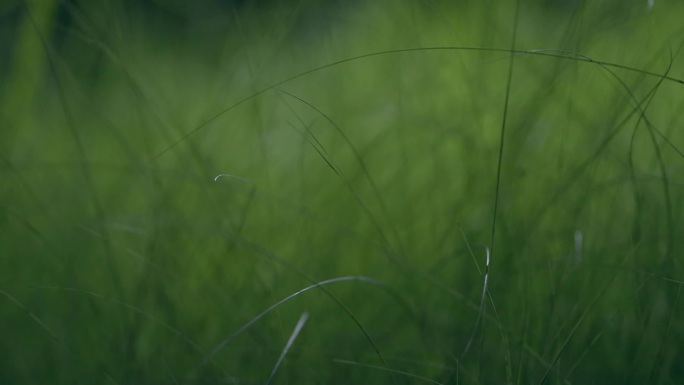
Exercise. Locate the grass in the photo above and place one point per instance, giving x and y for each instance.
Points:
(341, 193)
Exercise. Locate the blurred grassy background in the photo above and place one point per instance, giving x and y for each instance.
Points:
(123, 260)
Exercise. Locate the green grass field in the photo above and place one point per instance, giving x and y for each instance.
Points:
(391, 192)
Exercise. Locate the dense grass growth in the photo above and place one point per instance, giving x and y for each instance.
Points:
(171, 172)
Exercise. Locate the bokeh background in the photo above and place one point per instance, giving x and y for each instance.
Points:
(172, 170)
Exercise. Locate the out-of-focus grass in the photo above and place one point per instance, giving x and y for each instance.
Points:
(123, 259)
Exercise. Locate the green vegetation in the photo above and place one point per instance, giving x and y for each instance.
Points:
(171, 172)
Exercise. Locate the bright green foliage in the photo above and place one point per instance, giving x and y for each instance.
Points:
(358, 139)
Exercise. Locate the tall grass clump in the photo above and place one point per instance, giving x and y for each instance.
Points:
(341, 192)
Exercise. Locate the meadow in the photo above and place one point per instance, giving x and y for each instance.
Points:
(390, 192)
